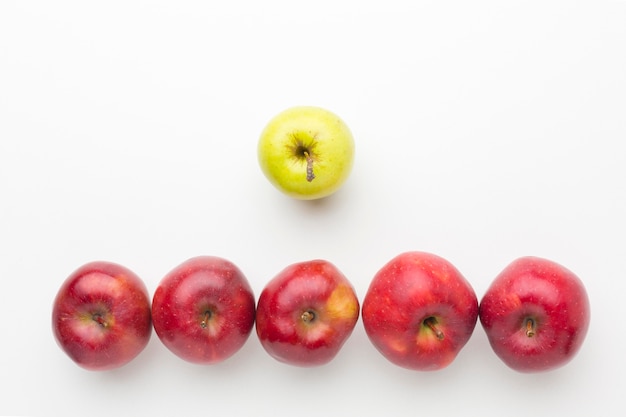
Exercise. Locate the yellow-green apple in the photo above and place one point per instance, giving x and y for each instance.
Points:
(306, 313)
(307, 152)
(419, 311)
(101, 316)
(203, 310)
(535, 314)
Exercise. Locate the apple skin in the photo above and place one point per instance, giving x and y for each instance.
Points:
(306, 152)
(419, 311)
(101, 316)
(535, 314)
(306, 313)
(203, 310)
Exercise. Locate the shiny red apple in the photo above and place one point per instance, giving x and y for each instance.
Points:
(535, 314)
(306, 313)
(101, 316)
(203, 310)
(419, 311)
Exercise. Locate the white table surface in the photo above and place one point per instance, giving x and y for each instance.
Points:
(485, 131)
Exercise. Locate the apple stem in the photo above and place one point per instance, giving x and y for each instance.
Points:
(530, 327)
(205, 321)
(309, 167)
(97, 317)
(431, 322)
(308, 316)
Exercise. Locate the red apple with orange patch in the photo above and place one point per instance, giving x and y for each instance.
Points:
(306, 313)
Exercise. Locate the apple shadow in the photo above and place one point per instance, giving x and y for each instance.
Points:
(329, 204)
(320, 203)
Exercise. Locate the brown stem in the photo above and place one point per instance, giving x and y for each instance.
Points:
(205, 320)
(310, 176)
(431, 323)
(530, 327)
(308, 316)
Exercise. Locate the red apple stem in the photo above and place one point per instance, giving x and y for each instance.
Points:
(97, 317)
(530, 327)
(431, 323)
(309, 167)
(205, 321)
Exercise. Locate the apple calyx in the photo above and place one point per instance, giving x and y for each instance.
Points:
(431, 323)
(530, 327)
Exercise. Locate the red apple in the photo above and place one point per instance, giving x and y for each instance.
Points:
(203, 310)
(101, 316)
(306, 313)
(419, 311)
(535, 314)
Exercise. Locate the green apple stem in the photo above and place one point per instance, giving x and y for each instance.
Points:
(308, 316)
(431, 323)
(530, 327)
(310, 176)
(205, 321)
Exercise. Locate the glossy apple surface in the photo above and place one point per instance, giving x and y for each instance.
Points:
(535, 314)
(419, 311)
(101, 316)
(306, 152)
(203, 310)
(306, 313)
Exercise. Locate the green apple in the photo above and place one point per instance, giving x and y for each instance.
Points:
(306, 152)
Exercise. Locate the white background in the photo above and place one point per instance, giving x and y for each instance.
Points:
(485, 131)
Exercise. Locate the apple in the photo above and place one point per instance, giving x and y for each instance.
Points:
(101, 316)
(419, 311)
(306, 313)
(306, 152)
(535, 315)
(203, 310)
